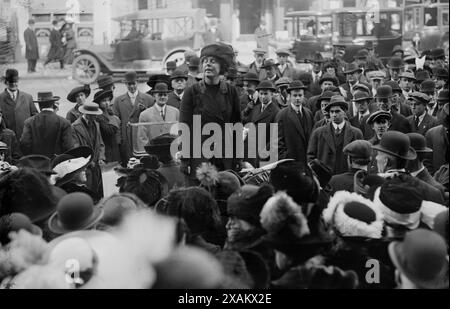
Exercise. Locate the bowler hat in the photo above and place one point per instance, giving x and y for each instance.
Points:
(171, 65)
(396, 144)
(327, 95)
(395, 63)
(394, 85)
(68, 164)
(384, 92)
(46, 97)
(437, 53)
(408, 75)
(266, 85)
(90, 109)
(419, 97)
(443, 96)
(441, 73)
(428, 86)
(361, 96)
(104, 81)
(75, 212)
(361, 54)
(351, 67)
(218, 50)
(39, 162)
(337, 100)
(397, 48)
(422, 258)
(268, 63)
(260, 51)
(422, 75)
(15, 222)
(161, 88)
(418, 143)
(378, 115)
(283, 52)
(368, 45)
(160, 145)
(101, 95)
(251, 77)
(130, 77)
(194, 62)
(329, 77)
(296, 85)
(284, 81)
(178, 74)
(160, 77)
(317, 58)
(11, 75)
(359, 149)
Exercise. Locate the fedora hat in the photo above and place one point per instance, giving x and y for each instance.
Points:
(160, 145)
(362, 87)
(296, 85)
(11, 75)
(178, 74)
(361, 96)
(194, 62)
(397, 48)
(422, 75)
(368, 45)
(361, 54)
(101, 95)
(130, 77)
(327, 95)
(283, 52)
(337, 100)
(68, 164)
(104, 81)
(329, 77)
(418, 143)
(395, 63)
(90, 109)
(260, 51)
(284, 81)
(86, 89)
(428, 86)
(268, 63)
(384, 92)
(14, 222)
(351, 67)
(443, 96)
(75, 212)
(38, 162)
(422, 258)
(266, 85)
(408, 75)
(419, 97)
(378, 115)
(161, 88)
(394, 85)
(396, 144)
(250, 77)
(46, 97)
(159, 78)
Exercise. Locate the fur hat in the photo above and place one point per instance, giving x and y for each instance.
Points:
(283, 219)
(352, 215)
(247, 203)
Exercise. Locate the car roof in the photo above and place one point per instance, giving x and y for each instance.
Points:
(160, 14)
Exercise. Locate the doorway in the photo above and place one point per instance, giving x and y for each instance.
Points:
(250, 12)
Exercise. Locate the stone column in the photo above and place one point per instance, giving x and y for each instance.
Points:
(226, 12)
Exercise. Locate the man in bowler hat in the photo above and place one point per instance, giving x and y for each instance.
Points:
(32, 48)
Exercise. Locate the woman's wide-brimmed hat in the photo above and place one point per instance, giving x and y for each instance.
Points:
(68, 164)
(103, 94)
(72, 96)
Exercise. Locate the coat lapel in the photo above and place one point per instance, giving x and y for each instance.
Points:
(294, 119)
(348, 136)
(266, 113)
(8, 99)
(328, 136)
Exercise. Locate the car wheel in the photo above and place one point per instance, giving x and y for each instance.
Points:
(86, 69)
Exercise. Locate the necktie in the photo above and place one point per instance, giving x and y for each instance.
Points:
(337, 131)
(263, 108)
(13, 95)
(417, 122)
(162, 115)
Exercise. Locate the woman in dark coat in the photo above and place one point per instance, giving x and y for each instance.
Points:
(215, 101)
(56, 52)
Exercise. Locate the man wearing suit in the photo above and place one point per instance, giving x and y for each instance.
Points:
(160, 113)
(352, 74)
(32, 48)
(16, 106)
(178, 80)
(359, 154)
(263, 113)
(327, 143)
(47, 133)
(420, 121)
(294, 126)
(270, 67)
(284, 68)
(249, 99)
(128, 108)
(326, 81)
(393, 153)
(317, 63)
(362, 100)
(383, 102)
(256, 66)
(86, 132)
(379, 122)
(398, 100)
(437, 139)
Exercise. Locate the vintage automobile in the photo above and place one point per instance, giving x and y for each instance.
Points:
(148, 39)
(426, 24)
(311, 32)
(352, 27)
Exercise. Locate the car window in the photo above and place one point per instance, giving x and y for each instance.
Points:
(445, 18)
(430, 17)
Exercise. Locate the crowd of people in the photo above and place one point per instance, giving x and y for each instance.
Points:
(363, 178)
